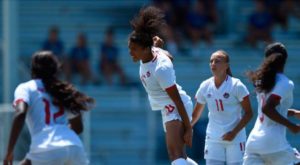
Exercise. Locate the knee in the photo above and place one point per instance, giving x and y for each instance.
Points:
(175, 153)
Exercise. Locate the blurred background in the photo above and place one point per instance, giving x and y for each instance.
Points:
(90, 38)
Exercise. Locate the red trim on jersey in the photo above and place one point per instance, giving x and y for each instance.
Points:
(59, 113)
(217, 105)
(170, 87)
(221, 105)
(276, 97)
(155, 57)
(17, 102)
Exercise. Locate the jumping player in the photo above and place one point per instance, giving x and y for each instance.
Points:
(52, 110)
(226, 98)
(158, 77)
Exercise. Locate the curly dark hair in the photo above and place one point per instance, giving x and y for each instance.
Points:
(45, 66)
(147, 24)
(265, 76)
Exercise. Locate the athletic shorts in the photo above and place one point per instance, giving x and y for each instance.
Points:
(170, 113)
(69, 155)
(225, 152)
(285, 157)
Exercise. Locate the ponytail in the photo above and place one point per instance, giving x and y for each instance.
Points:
(45, 66)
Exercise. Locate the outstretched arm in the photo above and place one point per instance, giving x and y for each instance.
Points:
(18, 123)
(269, 110)
(229, 136)
(198, 109)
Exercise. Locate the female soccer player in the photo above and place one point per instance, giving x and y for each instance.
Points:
(267, 142)
(158, 77)
(226, 98)
(52, 109)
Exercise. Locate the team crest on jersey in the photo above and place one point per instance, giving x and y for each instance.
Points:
(209, 95)
(148, 74)
(226, 95)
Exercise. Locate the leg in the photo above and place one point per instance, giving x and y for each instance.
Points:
(174, 140)
(174, 134)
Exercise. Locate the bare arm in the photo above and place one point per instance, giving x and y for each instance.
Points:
(18, 123)
(174, 95)
(198, 109)
(270, 111)
(229, 136)
(76, 124)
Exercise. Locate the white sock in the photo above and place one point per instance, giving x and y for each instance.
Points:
(190, 161)
(179, 161)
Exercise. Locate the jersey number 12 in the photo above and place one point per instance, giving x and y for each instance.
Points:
(48, 112)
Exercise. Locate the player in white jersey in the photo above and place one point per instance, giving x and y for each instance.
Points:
(158, 77)
(52, 110)
(226, 98)
(267, 143)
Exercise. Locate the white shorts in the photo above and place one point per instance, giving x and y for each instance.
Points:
(69, 155)
(170, 113)
(285, 157)
(224, 151)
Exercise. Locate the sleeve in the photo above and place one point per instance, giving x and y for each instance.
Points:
(241, 91)
(165, 76)
(200, 95)
(282, 88)
(21, 95)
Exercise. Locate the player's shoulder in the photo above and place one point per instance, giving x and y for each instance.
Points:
(234, 80)
(207, 82)
(30, 85)
(283, 80)
(161, 55)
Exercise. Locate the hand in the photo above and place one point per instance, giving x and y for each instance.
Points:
(295, 128)
(8, 160)
(188, 136)
(158, 42)
(229, 136)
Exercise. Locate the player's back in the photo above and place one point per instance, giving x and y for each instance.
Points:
(46, 122)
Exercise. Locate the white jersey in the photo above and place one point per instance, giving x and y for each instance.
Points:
(47, 123)
(158, 75)
(224, 107)
(261, 139)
